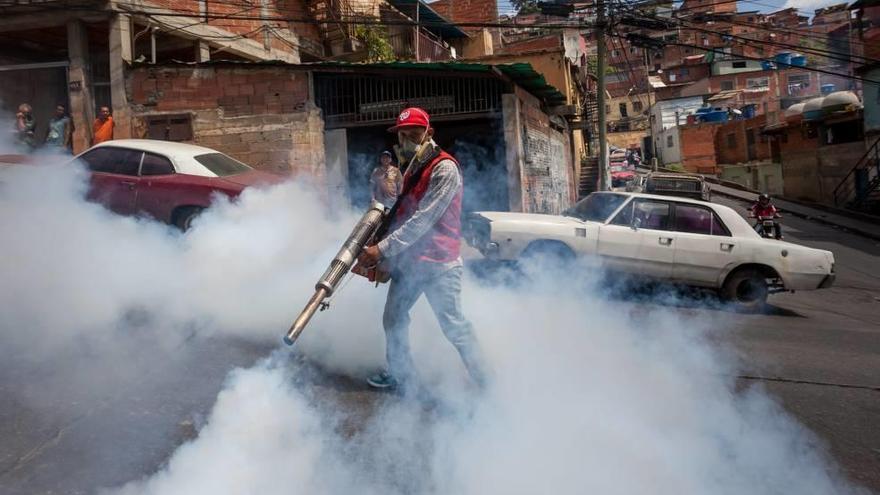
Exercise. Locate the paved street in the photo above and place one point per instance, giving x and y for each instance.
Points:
(824, 348)
(817, 352)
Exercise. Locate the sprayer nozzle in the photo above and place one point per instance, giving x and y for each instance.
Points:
(288, 340)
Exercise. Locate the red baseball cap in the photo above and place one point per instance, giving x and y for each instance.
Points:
(411, 117)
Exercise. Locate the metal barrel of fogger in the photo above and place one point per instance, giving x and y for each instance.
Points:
(339, 267)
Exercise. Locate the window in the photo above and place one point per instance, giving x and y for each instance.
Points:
(797, 83)
(731, 141)
(156, 165)
(615, 53)
(684, 71)
(656, 66)
(221, 164)
(669, 141)
(170, 127)
(596, 207)
(695, 219)
(112, 160)
(622, 108)
(727, 85)
(625, 215)
(637, 106)
(651, 214)
(607, 108)
(758, 83)
(705, 41)
(741, 64)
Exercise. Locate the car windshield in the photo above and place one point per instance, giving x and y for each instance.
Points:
(596, 207)
(222, 165)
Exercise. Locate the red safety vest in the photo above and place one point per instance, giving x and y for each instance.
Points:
(442, 243)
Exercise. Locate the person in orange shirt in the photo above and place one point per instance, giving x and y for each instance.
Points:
(103, 128)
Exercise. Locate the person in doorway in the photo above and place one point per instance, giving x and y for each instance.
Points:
(103, 127)
(60, 131)
(423, 251)
(25, 125)
(386, 181)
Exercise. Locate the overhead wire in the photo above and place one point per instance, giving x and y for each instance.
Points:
(813, 51)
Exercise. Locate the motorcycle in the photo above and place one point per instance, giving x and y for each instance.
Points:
(767, 227)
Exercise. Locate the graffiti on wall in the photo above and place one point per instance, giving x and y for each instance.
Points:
(545, 173)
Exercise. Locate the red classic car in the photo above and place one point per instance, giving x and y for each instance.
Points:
(171, 182)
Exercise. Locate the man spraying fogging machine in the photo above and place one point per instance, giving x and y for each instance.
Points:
(417, 245)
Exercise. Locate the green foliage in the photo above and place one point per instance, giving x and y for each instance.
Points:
(677, 167)
(525, 6)
(378, 46)
(593, 63)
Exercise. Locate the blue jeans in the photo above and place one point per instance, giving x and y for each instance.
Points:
(442, 287)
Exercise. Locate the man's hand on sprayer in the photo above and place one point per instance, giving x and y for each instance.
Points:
(370, 256)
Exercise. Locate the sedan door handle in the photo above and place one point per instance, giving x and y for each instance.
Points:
(666, 241)
(727, 247)
(130, 184)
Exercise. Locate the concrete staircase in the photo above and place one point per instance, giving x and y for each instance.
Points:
(336, 35)
(589, 176)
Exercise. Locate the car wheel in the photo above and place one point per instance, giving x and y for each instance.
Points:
(546, 255)
(184, 216)
(747, 290)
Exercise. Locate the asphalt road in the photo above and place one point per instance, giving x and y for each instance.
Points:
(817, 352)
(822, 348)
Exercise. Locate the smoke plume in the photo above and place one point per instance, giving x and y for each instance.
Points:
(588, 394)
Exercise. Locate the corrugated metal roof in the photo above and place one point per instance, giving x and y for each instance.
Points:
(521, 73)
(723, 95)
(433, 21)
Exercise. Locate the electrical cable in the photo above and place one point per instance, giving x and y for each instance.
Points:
(813, 51)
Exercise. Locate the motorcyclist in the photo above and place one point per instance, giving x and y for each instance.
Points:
(763, 208)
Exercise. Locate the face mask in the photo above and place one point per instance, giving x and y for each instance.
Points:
(409, 149)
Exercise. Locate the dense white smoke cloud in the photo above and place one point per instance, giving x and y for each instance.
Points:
(588, 395)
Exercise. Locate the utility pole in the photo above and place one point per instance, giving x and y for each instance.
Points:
(600, 94)
(416, 33)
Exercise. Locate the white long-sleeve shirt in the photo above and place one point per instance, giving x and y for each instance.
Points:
(444, 184)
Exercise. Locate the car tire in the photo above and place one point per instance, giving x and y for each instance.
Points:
(185, 215)
(550, 255)
(747, 290)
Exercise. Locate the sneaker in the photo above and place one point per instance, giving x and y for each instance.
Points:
(382, 380)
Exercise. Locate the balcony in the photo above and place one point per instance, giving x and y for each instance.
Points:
(431, 48)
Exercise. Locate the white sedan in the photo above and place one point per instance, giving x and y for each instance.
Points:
(664, 238)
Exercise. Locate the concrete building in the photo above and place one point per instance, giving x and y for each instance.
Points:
(77, 55)
(819, 147)
(329, 122)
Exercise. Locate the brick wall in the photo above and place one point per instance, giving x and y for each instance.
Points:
(467, 10)
(251, 28)
(739, 152)
(553, 41)
(698, 148)
(261, 116)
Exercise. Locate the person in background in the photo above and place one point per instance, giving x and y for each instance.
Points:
(423, 250)
(60, 131)
(103, 128)
(24, 127)
(764, 208)
(386, 181)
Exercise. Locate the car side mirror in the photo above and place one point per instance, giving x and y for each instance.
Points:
(636, 223)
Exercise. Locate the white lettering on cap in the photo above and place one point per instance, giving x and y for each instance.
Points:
(404, 115)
